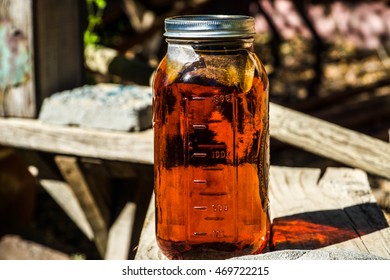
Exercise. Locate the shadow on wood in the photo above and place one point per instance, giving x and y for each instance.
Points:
(318, 229)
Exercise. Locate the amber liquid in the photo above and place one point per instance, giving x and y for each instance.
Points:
(211, 165)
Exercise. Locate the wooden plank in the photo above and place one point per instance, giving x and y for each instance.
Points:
(339, 211)
(59, 46)
(99, 183)
(52, 45)
(330, 140)
(120, 233)
(147, 248)
(20, 95)
(31, 134)
(71, 172)
(289, 126)
(372, 227)
(119, 236)
(63, 194)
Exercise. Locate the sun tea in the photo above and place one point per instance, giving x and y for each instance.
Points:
(211, 137)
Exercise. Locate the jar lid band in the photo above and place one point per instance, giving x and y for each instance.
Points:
(210, 26)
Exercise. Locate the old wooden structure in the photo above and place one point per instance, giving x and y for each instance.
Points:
(45, 54)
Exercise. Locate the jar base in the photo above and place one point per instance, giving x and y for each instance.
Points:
(207, 251)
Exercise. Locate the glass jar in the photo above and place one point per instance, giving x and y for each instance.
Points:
(211, 140)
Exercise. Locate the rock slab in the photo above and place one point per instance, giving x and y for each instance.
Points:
(102, 106)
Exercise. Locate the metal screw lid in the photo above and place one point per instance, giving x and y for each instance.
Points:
(210, 26)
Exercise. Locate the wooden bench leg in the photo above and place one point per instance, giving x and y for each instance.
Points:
(120, 234)
(72, 173)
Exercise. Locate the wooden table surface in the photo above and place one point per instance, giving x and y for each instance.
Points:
(308, 211)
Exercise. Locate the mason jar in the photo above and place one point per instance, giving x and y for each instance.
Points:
(211, 140)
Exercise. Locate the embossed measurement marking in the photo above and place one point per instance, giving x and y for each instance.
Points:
(212, 168)
(213, 193)
(200, 233)
(214, 218)
(199, 155)
(198, 98)
(211, 198)
(197, 181)
(200, 207)
(199, 126)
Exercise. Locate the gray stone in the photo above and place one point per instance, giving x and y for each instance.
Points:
(311, 255)
(103, 106)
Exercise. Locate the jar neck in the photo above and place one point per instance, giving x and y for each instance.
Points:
(213, 44)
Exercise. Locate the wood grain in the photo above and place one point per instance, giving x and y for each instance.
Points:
(330, 140)
(59, 41)
(53, 31)
(71, 172)
(31, 134)
(20, 99)
(63, 194)
(119, 236)
(336, 211)
(147, 247)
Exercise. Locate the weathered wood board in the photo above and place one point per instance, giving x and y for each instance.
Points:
(41, 52)
(120, 232)
(59, 46)
(63, 194)
(71, 172)
(31, 134)
(337, 210)
(298, 129)
(329, 140)
(17, 88)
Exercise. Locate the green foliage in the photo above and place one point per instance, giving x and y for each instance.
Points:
(78, 256)
(95, 10)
